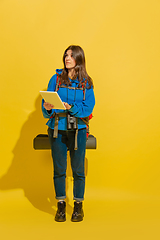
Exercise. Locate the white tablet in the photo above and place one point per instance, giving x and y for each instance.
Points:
(53, 98)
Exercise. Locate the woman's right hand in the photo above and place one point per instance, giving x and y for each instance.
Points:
(47, 106)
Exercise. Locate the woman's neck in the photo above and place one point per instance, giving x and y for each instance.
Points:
(71, 73)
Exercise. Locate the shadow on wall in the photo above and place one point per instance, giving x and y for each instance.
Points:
(32, 170)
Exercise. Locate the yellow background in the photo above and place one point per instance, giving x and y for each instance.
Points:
(121, 40)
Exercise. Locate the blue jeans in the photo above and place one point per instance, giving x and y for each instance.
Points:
(59, 146)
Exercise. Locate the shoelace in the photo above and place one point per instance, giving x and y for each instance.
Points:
(76, 209)
(61, 207)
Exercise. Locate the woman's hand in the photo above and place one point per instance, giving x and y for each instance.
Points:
(47, 106)
(67, 105)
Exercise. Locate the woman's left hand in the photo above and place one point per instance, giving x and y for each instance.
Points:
(67, 105)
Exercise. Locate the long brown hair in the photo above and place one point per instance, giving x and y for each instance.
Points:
(80, 68)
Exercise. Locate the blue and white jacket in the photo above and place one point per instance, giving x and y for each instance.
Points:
(80, 108)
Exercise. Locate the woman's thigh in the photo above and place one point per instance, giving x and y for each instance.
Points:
(59, 149)
(78, 156)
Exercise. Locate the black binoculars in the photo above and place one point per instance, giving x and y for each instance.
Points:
(71, 122)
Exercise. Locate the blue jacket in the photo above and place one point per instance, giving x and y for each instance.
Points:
(80, 108)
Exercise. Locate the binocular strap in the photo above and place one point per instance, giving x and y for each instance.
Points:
(55, 134)
(75, 144)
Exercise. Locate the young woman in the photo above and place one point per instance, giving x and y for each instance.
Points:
(67, 128)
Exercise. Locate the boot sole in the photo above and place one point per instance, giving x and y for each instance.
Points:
(60, 220)
(76, 220)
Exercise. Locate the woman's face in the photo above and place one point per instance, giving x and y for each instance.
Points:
(69, 60)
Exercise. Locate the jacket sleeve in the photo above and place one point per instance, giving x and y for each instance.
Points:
(84, 108)
(51, 87)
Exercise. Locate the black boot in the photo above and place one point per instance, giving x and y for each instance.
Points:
(60, 214)
(78, 214)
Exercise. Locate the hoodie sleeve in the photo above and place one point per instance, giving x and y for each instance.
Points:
(51, 87)
(84, 108)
